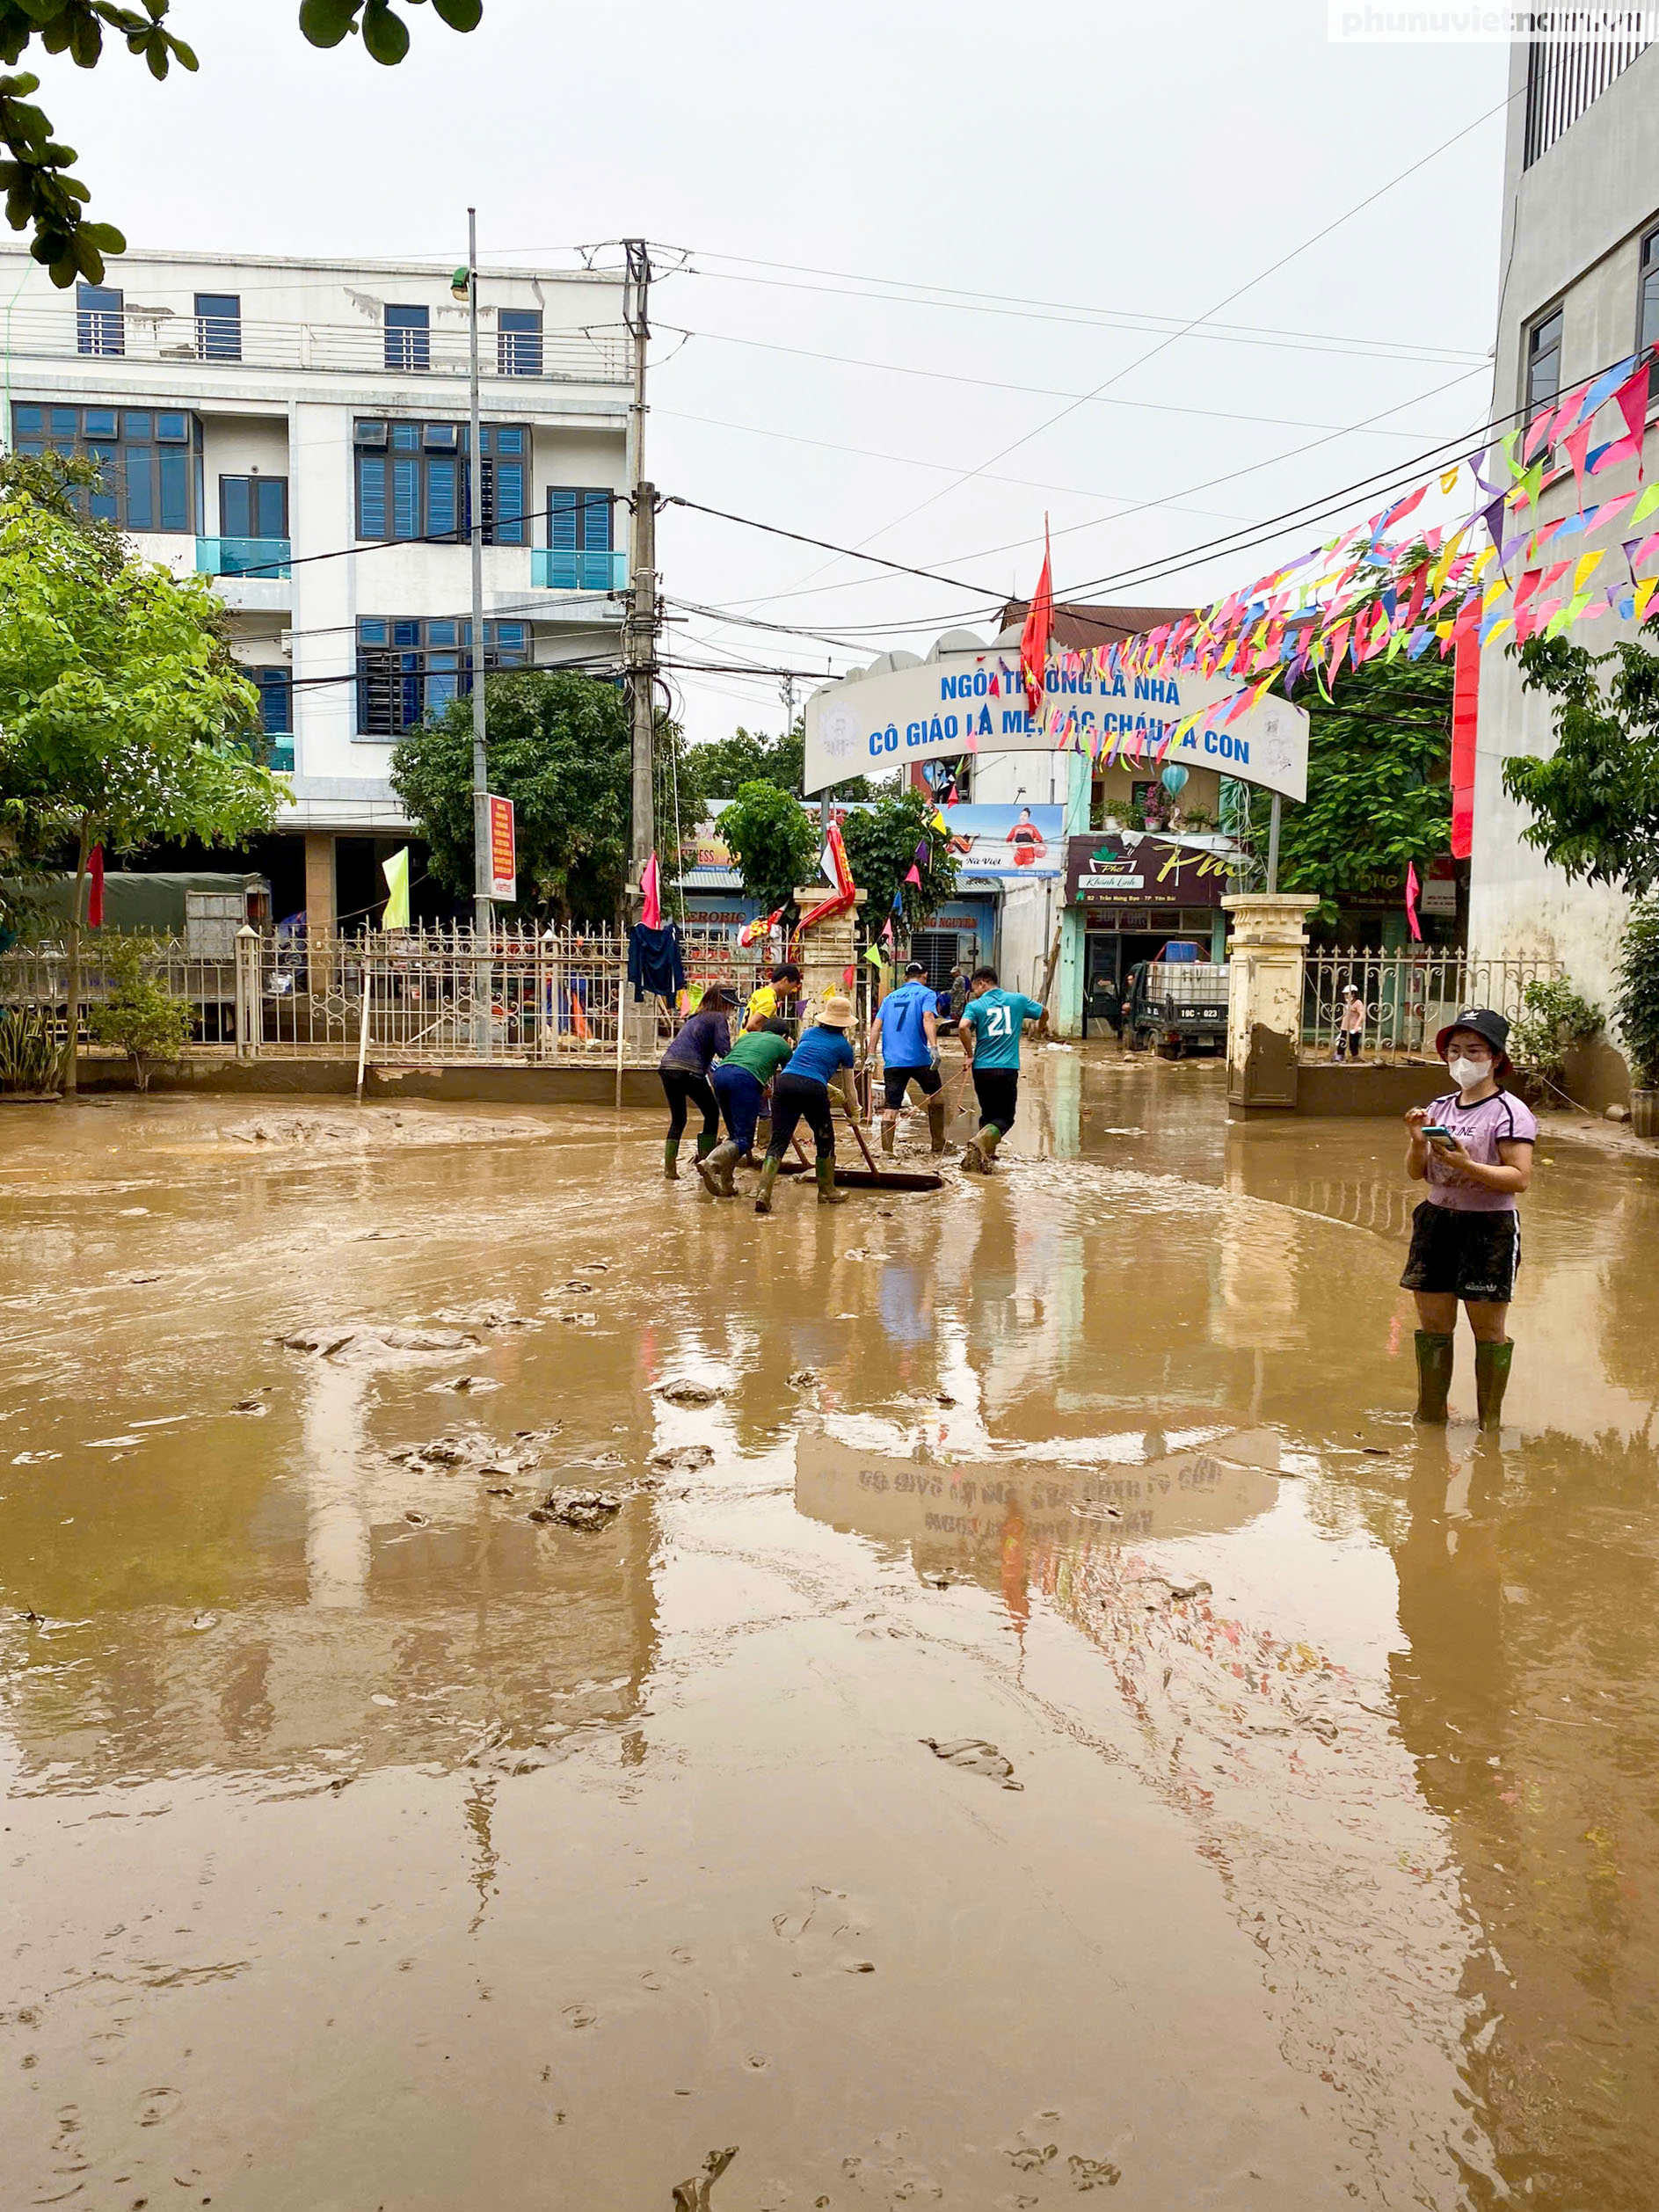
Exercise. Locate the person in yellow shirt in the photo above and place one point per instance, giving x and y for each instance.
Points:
(774, 998)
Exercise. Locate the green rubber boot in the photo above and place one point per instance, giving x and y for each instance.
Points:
(716, 1169)
(705, 1144)
(888, 1132)
(671, 1158)
(986, 1144)
(936, 1126)
(1434, 1375)
(1491, 1377)
(768, 1176)
(827, 1194)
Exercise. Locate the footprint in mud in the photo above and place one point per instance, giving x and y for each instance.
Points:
(156, 2104)
(579, 2015)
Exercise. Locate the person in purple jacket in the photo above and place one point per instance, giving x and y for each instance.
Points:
(1473, 1148)
(684, 1072)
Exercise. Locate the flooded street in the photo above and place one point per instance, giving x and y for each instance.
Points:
(370, 1842)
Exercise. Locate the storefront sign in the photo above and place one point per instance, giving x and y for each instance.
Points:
(503, 865)
(1133, 867)
(1020, 842)
(973, 703)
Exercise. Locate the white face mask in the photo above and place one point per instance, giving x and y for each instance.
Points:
(1466, 1073)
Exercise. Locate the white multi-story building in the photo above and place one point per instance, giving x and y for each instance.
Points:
(299, 431)
(1579, 292)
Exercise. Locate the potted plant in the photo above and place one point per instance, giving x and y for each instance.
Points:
(29, 1054)
(139, 1014)
(1637, 1007)
(1553, 1019)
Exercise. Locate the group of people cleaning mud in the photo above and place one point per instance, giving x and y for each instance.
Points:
(1473, 1147)
(731, 1079)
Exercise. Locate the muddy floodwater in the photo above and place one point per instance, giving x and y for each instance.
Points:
(969, 1699)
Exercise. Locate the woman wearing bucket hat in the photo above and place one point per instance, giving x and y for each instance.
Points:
(800, 1093)
(1473, 1148)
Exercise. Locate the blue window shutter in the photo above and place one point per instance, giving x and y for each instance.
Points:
(561, 521)
(175, 490)
(596, 521)
(371, 496)
(270, 506)
(405, 498)
(441, 496)
(235, 516)
(140, 490)
(405, 633)
(275, 692)
(509, 502)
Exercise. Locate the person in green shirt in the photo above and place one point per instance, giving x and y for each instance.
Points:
(990, 1030)
(740, 1084)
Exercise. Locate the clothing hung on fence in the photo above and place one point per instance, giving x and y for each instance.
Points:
(655, 961)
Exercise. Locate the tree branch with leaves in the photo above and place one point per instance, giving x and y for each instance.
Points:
(43, 196)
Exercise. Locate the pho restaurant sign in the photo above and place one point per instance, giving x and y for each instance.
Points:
(1137, 868)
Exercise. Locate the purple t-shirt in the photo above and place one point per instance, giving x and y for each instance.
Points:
(1479, 1129)
(704, 1038)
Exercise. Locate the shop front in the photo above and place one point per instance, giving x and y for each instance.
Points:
(1137, 891)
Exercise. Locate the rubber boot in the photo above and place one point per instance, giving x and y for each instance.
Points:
(768, 1176)
(827, 1194)
(1491, 1377)
(888, 1132)
(671, 1158)
(936, 1126)
(987, 1140)
(705, 1143)
(1434, 1375)
(716, 1169)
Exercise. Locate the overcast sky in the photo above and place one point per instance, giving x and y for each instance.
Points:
(1107, 173)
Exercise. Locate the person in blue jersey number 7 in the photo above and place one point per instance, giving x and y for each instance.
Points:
(990, 1025)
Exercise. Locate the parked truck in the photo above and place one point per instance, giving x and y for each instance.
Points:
(1177, 1002)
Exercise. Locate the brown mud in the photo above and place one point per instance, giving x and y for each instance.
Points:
(966, 1700)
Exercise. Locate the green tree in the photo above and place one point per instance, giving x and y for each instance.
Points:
(752, 757)
(1594, 801)
(882, 843)
(560, 749)
(41, 194)
(123, 720)
(1378, 795)
(773, 841)
(139, 1014)
(1637, 1004)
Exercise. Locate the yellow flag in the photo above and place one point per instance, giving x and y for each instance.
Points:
(395, 870)
(1448, 482)
(1644, 592)
(1586, 562)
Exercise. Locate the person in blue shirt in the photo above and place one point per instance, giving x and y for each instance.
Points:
(906, 1026)
(800, 1093)
(991, 1024)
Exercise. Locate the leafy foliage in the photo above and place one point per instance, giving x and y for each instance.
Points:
(1553, 1018)
(41, 194)
(1377, 796)
(28, 1050)
(1637, 1004)
(560, 749)
(720, 768)
(139, 1014)
(1594, 801)
(773, 841)
(882, 845)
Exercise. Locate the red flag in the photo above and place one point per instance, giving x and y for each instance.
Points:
(1413, 891)
(1039, 624)
(95, 889)
(1631, 399)
(1465, 699)
(650, 890)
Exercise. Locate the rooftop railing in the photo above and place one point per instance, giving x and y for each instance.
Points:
(598, 356)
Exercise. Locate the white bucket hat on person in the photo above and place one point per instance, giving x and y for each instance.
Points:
(836, 1013)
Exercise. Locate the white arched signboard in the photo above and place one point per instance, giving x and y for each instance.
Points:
(973, 702)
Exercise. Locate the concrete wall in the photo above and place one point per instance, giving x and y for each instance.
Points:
(1572, 227)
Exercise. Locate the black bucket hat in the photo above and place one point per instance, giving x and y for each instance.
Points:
(1484, 1023)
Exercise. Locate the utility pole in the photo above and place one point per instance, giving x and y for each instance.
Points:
(639, 630)
(482, 917)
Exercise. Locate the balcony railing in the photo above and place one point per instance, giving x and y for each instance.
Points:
(253, 558)
(595, 355)
(551, 571)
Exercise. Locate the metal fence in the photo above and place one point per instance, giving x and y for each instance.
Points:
(410, 996)
(1407, 996)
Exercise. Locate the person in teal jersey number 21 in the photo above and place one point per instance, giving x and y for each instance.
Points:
(991, 1024)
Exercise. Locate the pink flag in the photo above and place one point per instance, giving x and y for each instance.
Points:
(1577, 447)
(94, 888)
(1631, 399)
(1412, 892)
(913, 875)
(650, 887)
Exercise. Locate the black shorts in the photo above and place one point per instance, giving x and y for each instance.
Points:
(796, 1098)
(1466, 1255)
(896, 1079)
(998, 1092)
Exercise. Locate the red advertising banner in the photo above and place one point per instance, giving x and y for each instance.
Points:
(1465, 699)
(503, 865)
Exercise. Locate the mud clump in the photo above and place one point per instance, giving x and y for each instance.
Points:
(488, 1314)
(692, 2196)
(369, 1340)
(974, 1756)
(585, 1510)
(681, 1458)
(471, 1451)
(684, 1392)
